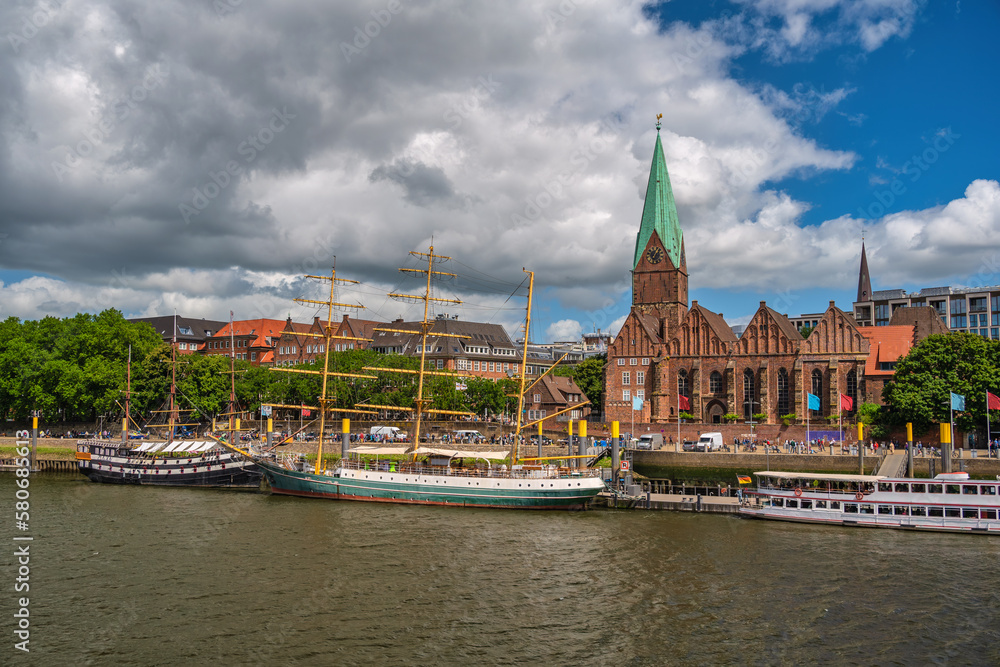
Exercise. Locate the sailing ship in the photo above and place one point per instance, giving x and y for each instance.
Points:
(171, 462)
(431, 476)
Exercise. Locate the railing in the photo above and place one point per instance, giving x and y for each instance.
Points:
(526, 472)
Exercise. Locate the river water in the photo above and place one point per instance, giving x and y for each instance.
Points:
(148, 576)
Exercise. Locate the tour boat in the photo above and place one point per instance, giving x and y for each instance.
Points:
(951, 502)
(180, 463)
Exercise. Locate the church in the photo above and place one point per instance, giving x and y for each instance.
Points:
(681, 358)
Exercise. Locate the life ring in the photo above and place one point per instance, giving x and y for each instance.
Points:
(798, 491)
(859, 495)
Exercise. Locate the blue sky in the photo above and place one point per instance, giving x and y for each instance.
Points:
(514, 135)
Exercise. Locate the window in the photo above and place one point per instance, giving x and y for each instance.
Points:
(626, 377)
(440, 364)
(749, 394)
(538, 398)
(918, 488)
(817, 388)
(640, 394)
(715, 382)
(977, 304)
(881, 315)
(988, 490)
(683, 388)
(852, 388)
(958, 306)
(253, 356)
(783, 392)
(626, 395)
(640, 377)
(184, 346)
(958, 321)
(621, 361)
(475, 365)
(918, 511)
(633, 361)
(645, 361)
(493, 367)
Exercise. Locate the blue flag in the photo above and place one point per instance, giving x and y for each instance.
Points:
(636, 403)
(957, 402)
(814, 402)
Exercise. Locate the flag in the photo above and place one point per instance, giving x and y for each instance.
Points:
(846, 402)
(957, 401)
(684, 402)
(992, 402)
(636, 403)
(814, 402)
(306, 412)
(742, 479)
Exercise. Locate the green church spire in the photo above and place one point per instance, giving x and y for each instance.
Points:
(659, 213)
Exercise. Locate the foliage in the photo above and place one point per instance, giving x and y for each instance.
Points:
(687, 416)
(760, 417)
(730, 417)
(962, 363)
(869, 413)
(789, 418)
(805, 331)
(588, 376)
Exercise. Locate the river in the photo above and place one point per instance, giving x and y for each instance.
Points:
(149, 576)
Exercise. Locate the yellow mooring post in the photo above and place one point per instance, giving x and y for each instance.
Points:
(345, 437)
(945, 447)
(270, 431)
(909, 449)
(124, 431)
(616, 443)
(540, 423)
(569, 438)
(34, 443)
(581, 442)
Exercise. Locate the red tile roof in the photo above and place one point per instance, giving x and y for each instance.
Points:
(888, 344)
(259, 328)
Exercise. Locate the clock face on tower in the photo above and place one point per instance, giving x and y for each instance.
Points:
(654, 255)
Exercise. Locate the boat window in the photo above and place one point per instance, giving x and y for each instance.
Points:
(777, 502)
(918, 511)
(791, 503)
(988, 514)
(835, 505)
(933, 488)
(885, 509)
(988, 490)
(951, 488)
(970, 489)
(806, 504)
(885, 486)
(901, 509)
(821, 504)
(866, 508)
(935, 511)
(902, 487)
(952, 511)
(970, 513)
(918, 488)
(850, 508)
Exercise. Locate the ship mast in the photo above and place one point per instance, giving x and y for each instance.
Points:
(327, 336)
(174, 417)
(524, 367)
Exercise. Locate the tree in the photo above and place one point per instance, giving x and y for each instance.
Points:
(589, 377)
(939, 365)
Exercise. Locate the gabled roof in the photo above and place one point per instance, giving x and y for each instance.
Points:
(259, 329)
(650, 325)
(783, 323)
(163, 325)
(715, 322)
(659, 213)
(888, 344)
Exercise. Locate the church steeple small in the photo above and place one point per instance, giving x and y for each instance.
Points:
(659, 213)
(864, 280)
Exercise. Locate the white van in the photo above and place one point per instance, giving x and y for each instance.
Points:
(710, 442)
(388, 432)
(468, 436)
(650, 441)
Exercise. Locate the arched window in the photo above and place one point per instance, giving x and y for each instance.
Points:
(715, 382)
(782, 392)
(749, 394)
(817, 389)
(852, 388)
(683, 388)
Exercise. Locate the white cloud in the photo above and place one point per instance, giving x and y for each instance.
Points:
(564, 330)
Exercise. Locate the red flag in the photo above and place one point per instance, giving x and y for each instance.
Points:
(684, 402)
(846, 402)
(992, 402)
(306, 412)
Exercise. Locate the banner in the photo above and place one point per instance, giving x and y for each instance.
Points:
(846, 402)
(684, 402)
(742, 479)
(957, 401)
(636, 403)
(992, 402)
(814, 402)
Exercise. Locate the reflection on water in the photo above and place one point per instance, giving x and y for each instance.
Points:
(140, 576)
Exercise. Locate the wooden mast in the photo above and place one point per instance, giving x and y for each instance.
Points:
(524, 367)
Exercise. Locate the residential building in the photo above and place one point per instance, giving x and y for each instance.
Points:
(190, 334)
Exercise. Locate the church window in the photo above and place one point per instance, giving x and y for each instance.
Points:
(715, 382)
(852, 387)
(817, 389)
(749, 394)
(683, 388)
(626, 377)
(783, 392)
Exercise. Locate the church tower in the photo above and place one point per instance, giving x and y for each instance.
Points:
(659, 268)
(864, 280)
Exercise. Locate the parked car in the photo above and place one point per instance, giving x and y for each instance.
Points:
(690, 446)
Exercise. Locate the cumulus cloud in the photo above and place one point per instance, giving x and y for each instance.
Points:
(564, 330)
(165, 155)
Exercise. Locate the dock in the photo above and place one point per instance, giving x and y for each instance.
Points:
(671, 502)
(41, 465)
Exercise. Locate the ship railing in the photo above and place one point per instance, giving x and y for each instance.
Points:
(813, 489)
(538, 472)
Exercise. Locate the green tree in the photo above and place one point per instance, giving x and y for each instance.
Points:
(924, 379)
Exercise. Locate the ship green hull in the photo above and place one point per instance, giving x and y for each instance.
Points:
(373, 486)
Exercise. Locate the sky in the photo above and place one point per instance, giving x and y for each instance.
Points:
(201, 157)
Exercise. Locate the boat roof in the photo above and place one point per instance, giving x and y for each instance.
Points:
(450, 453)
(833, 477)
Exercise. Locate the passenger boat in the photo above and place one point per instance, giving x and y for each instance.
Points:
(431, 476)
(192, 463)
(951, 502)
